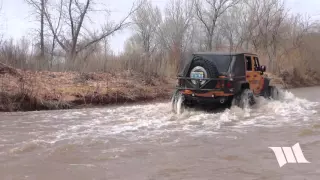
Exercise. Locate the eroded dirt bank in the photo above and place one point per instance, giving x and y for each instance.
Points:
(28, 91)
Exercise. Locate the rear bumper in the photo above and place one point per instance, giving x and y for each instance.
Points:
(194, 99)
(206, 94)
(211, 87)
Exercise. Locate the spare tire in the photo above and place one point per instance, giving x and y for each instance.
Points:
(208, 68)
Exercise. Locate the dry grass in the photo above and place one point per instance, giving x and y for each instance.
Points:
(59, 90)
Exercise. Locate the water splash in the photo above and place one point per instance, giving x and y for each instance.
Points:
(157, 121)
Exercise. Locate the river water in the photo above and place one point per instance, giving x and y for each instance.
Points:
(149, 142)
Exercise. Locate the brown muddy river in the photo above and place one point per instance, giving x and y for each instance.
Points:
(148, 142)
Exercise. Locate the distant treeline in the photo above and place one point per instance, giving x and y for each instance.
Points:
(288, 43)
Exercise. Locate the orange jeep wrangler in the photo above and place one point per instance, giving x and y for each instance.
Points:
(221, 79)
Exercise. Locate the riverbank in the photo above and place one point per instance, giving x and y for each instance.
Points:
(30, 91)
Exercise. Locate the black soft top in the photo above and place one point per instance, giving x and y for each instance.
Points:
(211, 56)
(222, 53)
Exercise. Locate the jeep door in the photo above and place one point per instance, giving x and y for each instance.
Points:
(253, 74)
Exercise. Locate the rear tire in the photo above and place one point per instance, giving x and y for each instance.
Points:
(274, 93)
(173, 101)
(245, 99)
(229, 102)
(177, 103)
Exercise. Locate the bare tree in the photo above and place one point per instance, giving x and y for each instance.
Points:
(74, 15)
(233, 26)
(39, 6)
(178, 18)
(264, 29)
(147, 20)
(208, 14)
(42, 28)
(1, 35)
(142, 45)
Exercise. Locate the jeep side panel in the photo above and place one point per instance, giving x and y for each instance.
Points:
(266, 84)
(253, 74)
(238, 67)
(240, 85)
(239, 73)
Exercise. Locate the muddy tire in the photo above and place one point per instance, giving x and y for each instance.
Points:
(177, 103)
(245, 99)
(173, 101)
(230, 102)
(274, 93)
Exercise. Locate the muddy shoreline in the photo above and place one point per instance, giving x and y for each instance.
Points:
(34, 91)
(17, 103)
(99, 101)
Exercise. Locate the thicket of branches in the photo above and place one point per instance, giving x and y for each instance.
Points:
(287, 43)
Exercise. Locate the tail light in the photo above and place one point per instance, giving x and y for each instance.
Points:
(229, 84)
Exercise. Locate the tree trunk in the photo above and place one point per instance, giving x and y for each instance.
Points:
(209, 42)
(42, 30)
(71, 61)
(50, 64)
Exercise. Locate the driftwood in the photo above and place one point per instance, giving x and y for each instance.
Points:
(5, 69)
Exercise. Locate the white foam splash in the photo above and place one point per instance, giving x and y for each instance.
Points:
(156, 120)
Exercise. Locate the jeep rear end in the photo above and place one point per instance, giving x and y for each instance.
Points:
(220, 84)
(222, 92)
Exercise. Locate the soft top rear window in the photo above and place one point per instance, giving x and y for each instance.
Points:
(222, 61)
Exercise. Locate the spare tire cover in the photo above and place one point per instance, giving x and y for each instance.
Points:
(203, 68)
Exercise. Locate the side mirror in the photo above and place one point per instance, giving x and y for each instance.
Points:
(263, 68)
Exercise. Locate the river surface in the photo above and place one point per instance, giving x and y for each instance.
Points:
(148, 142)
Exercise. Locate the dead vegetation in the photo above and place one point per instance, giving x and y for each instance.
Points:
(63, 90)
